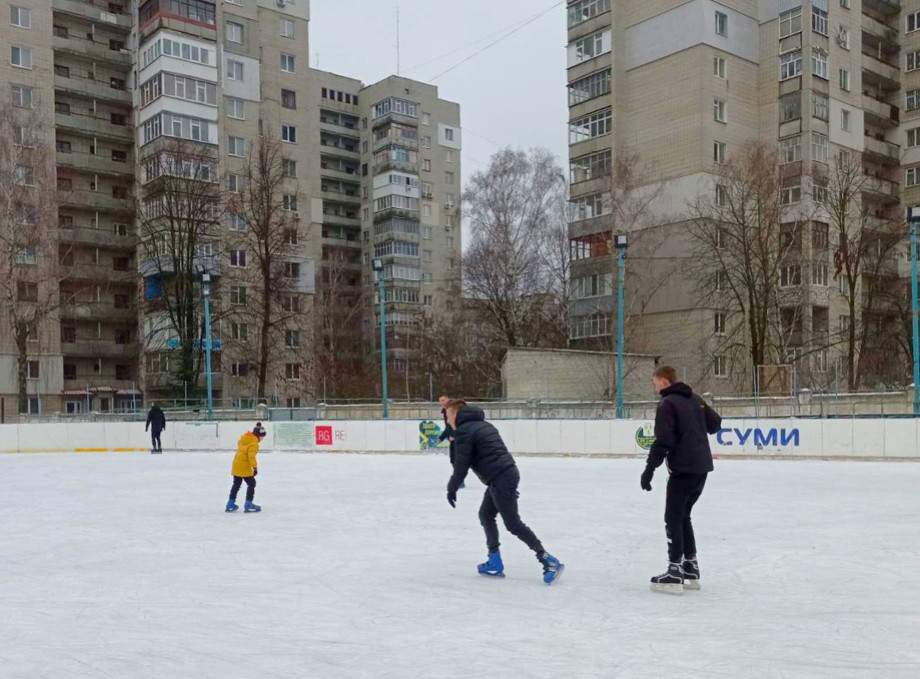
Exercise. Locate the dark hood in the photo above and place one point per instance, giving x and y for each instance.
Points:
(677, 389)
(470, 414)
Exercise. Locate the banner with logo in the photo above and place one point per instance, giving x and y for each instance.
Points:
(428, 434)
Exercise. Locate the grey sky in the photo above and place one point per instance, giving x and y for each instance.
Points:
(511, 94)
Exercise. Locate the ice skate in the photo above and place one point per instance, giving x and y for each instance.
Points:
(691, 574)
(250, 508)
(231, 506)
(494, 567)
(671, 582)
(552, 568)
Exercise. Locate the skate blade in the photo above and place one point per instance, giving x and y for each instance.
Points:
(667, 588)
(492, 575)
(692, 585)
(559, 572)
(230, 511)
(251, 511)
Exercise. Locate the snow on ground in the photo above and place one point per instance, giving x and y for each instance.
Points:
(127, 566)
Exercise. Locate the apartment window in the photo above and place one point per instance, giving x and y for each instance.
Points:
(25, 256)
(21, 57)
(790, 22)
(238, 295)
(720, 323)
(239, 369)
(288, 99)
(819, 235)
(581, 11)
(425, 142)
(239, 331)
(721, 195)
(721, 280)
(289, 168)
(426, 232)
(287, 63)
(238, 258)
(819, 147)
(449, 177)
(844, 120)
(912, 100)
(289, 202)
(292, 270)
(236, 146)
(790, 191)
(718, 67)
(820, 106)
(26, 292)
(843, 37)
(790, 276)
(291, 304)
(819, 63)
(913, 137)
(913, 60)
(286, 28)
(790, 149)
(289, 134)
(20, 16)
(819, 20)
(33, 370)
(234, 108)
(821, 361)
(70, 371)
(235, 182)
(594, 125)
(819, 274)
(718, 152)
(426, 119)
(234, 70)
(234, 32)
(912, 176)
(819, 189)
(589, 87)
(589, 47)
(720, 366)
(290, 237)
(448, 156)
(845, 4)
(21, 96)
(790, 107)
(790, 65)
(719, 113)
(913, 21)
(448, 134)
(292, 371)
(292, 339)
(426, 165)
(591, 166)
(23, 175)
(844, 80)
(236, 221)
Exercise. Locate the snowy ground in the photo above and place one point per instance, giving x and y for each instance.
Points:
(126, 566)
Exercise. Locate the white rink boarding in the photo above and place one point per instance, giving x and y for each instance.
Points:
(877, 438)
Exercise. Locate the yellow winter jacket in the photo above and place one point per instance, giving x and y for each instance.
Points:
(245, 460)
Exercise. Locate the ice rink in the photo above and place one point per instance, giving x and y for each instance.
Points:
(125, 565)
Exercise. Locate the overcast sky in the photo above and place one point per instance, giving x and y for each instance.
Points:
(512, 94)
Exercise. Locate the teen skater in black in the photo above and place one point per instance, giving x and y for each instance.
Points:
(478, 446)
(682, 424)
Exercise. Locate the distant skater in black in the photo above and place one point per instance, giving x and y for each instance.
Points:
(683, 422)
(156, 424)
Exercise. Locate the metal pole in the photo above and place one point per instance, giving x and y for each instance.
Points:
(621, 280)
(207, 351)
(383, 347)
(914, 313)
(431, 387)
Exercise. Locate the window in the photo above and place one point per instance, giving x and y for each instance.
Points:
(21, 57)
(426, 165)
(291, 304)
(819, 189)
(25, 256)
(239, 369)
(292, 371)
(234, 70)
(790, 65)
(820, 106)
(288, 99)
(236, 146)
(581, 11)
(70, 371)
(819, 63)
(289, 202)
(790, 22)
(234, 32)
(819, 147)
(844, 80)
(912, 176)
(395, 105)
(913, 21)
(238, 258)
(287, 63)
(790, 276)
(790, 149)
(913, 60)
(720, 366)
(426, 232)
(843, 37)
(20, 16)
(588, 47)
(819, 274)
(21, 96)
(448, 134)
(290, 236)
(26, 292)
(819, 20)
(594, 125)
(719, 113)
(289, 168)
(233, 107)
(239, 331)
(819, 235)
(845, 120)
(448, 156)
(913, 137)
(449, 177)
(845, 4)
(718, 67)
(718, 152)
(426, 119)
(790, 191)
(289, 134)
(721, 195)
(292, 339)
(33, 370)
(720, 323)
(589, 87)
(912, 100)
(286, 28)
(238, 295)
(790, 107)
(425, 142)
(721, 23)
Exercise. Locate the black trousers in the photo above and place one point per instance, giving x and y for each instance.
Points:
(502, 498)
(683, 492)
(250, 487)
(155, 440)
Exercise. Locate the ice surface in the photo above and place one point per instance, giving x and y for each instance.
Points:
(126, 566)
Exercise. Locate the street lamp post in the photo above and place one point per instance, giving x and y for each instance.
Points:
(206, 293)
(913, 216)
(620, 243)
(378, 268)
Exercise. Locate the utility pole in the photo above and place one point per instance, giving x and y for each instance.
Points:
(378, 268)
(913, 216)
(620, 242)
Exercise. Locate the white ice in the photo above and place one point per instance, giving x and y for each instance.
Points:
(125, 566)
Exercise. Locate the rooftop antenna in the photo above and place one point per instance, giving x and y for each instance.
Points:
(397, 38)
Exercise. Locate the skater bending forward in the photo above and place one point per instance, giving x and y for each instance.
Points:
(245, 468)
(478, 446)
(683, 422)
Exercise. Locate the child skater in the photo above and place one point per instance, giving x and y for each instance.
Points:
(245, 468)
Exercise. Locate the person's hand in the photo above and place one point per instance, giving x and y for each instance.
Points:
(646, 480)
(255, 472)
(452, 498)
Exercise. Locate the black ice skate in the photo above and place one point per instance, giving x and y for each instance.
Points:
(691, 570)
(671, 582)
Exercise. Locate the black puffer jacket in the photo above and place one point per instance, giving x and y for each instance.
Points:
(479, 447)
(156, 419)
(682, 424)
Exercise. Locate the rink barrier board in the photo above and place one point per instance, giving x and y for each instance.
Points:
(878, 438)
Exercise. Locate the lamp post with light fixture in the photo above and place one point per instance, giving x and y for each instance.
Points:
(913, 216)
(620, 243)
(206, 293)
(378, 269)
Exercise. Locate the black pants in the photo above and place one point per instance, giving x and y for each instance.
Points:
(155, 440)
(250, 487)
(683, 492)
(501, 498)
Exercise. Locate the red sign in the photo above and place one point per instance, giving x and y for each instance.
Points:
(324, 435)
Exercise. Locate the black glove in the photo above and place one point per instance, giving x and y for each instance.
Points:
(452, 498)
(255, 472)
(646, 480)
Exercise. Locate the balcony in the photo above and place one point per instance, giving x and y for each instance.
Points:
(879, 74)
(883, 151)
(886, 7)
(334, 219)
(391, 117)
(334, 148)
(411, 144)
(876, 33)
(95, 201)
(880, 113)
(99, 349)
(397, 166)
(89, 235)
(92, 89)
(98, 385)
(97, 11)
(97, 311)
(93, 49)
(98, 273)
(189, 16)
(164, 265)
(339, 172)
(340, 197)
(97, 164)
(882, 190)
(94, 126)
(396, 212)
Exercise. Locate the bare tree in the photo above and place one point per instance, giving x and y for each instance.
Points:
(30, 261)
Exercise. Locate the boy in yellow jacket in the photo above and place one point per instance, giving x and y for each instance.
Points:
(245, 468)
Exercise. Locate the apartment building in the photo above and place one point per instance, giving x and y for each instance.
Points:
(683, 86)
(135, 98)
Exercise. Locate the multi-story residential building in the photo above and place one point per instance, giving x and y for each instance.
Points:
(134, 99)
(685, 85)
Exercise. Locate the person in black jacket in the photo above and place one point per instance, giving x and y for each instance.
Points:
(683, 423)
(478, 446)
(156, 424)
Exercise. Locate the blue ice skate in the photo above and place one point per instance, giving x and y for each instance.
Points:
(552, 568)
(231, 506)
(250, 508)
(494, 567)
